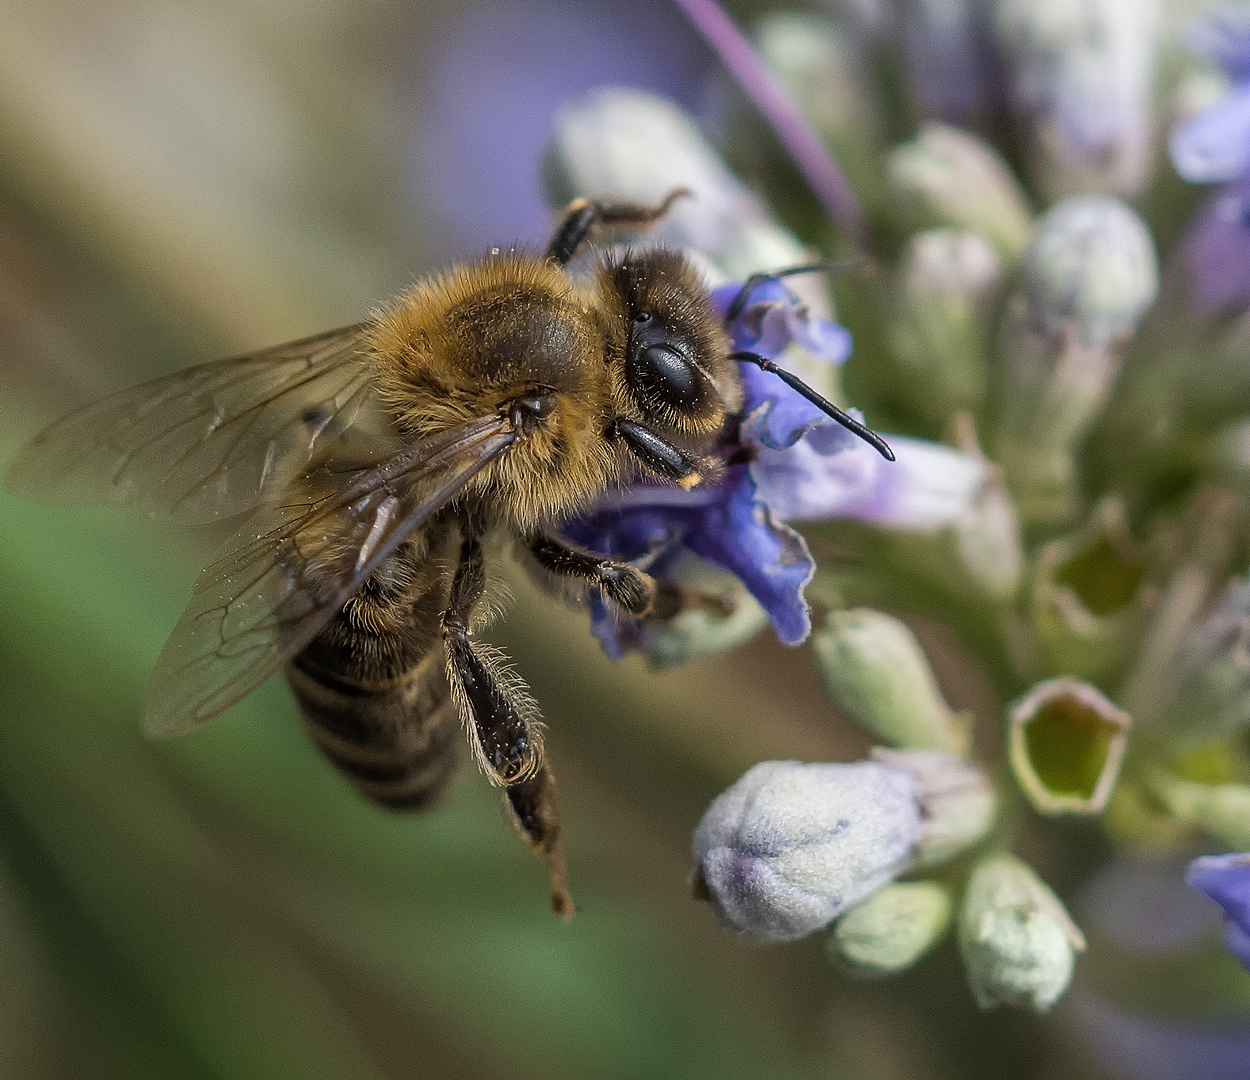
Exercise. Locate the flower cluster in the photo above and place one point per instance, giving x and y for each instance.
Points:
(1068, 495)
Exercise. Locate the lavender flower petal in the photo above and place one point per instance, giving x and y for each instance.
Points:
(1214, 145)
(1223, 37)
(1226, 880)
(831, 474)
(743, 536)
(1216, 249)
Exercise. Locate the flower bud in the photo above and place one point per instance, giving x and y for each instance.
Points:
(790, 846)
(1091, 268)
(1081, 73)
(876, 673)
(1226, 880)
(628, 144)
(956, 802)
(977, 557)
(988, 546)
(815, 61)
(949, 178)
(1222, 811)
(1017, 939)
(1212, 675)
(893, 928)
(1065, 744)
(1089, 276)
(944, 296)
(1088, 602)
(1227, 455)
(720, 616)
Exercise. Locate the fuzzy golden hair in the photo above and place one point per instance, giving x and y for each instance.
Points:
(467, 343)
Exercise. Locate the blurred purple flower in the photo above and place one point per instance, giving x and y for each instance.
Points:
(1146, 1048)
(1216, 248)
(1214, 144)
(952, 59)
(800, 466)
(1226, 880)
(1211, 146)
(482, 102)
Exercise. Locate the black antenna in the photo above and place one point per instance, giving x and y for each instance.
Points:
(793, 381)
(839, 266)
(828, 407)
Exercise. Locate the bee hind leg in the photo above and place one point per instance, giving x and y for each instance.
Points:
(503, 723)
(582, 217)
(495, 705)
(536, 813)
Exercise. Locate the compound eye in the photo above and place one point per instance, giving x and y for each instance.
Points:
(659, 371)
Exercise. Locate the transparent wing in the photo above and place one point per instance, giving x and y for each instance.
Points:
(292, 567)
(208, 442)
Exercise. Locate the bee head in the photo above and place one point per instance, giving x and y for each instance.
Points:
(668, 352)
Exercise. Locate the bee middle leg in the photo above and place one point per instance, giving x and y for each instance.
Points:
(504, 722)
(625, 585)
(583, 216)
(637, 592)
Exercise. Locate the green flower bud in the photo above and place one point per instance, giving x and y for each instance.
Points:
(876, 673)
(988, 544)
(703, 630)
(1212, 674)
(1017, 939)
(1065, 744)
(944, 296)
(815, 61)
(1088, 601)
(1227, 456)
(946, 177)
(957, 803)
(1090, 273)
(1222, 811)
(893, 928)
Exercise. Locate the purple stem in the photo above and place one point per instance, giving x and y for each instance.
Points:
(777, 106)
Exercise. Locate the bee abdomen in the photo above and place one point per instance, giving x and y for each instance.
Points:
(398, 743)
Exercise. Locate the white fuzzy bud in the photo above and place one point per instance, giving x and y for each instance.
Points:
(620, 143)
(791, 846)
(1018, 940)
(1091, 267)
(944, 296)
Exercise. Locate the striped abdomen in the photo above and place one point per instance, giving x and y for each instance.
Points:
(372, 687)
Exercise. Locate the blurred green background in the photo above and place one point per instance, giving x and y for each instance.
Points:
(180, 181)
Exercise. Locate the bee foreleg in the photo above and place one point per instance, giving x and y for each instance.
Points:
(624, 584)
(495, 705)
(583, 216)
(535, 811)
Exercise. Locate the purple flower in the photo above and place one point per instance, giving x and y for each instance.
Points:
(1216, 248)
(483, 91)
(1226, 880)
(1212, 146)
(801, 466)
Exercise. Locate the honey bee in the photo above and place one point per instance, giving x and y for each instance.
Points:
(374, 460)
